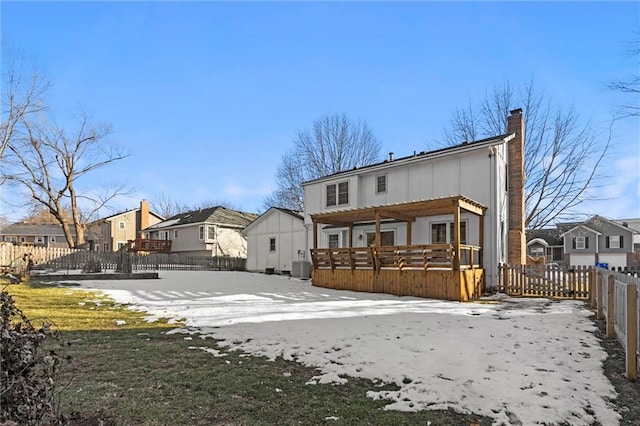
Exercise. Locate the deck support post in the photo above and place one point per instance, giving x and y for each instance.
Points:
(456, 236)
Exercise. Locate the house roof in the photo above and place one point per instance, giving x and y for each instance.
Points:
(583, 227)
(271, 210)
(593, 223)
(107, 218)
(464, 146)
(550, 236)
(34, 229)
(218, 215)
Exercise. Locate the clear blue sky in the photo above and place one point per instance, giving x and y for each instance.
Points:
(207, 96)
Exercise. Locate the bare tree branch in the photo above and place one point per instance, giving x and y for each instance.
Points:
(562, 154)
(333, 144)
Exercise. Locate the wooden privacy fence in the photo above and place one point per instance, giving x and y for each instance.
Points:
(11, 254)
(546, 281)
(139, 262)
(617, 301)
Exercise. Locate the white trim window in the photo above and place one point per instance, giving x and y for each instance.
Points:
(272, 244)
(387, 238)
(333, 240)
(39, 240)
(52, 239)
(121, 244)
(537, 251)
(175, 234)
(381, 184)
(105, 247)
(201, 232)
(615, 242)
(443, 234)
(337, 194)
(581, 243)
(122, 225)
(211, 233)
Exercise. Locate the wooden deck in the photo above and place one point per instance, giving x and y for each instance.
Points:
(415, 270)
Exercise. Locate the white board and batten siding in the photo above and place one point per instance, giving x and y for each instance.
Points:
(287, 228)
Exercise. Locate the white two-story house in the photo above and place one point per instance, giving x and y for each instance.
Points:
(403, 225)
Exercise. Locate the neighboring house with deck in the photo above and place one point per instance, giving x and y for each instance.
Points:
(214, 231)
(276, 240)
(36, 234)
(111, 233)
(433, 224)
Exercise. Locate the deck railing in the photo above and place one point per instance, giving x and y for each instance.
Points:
(432, 256)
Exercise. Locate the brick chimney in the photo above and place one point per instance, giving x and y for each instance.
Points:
(144, 216)
(517, 254)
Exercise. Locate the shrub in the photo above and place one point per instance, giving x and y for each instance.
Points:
(27, 368)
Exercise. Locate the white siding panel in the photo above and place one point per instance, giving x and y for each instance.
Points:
(582, 259)
(618, 260)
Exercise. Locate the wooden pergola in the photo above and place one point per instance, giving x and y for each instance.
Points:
(405, 212)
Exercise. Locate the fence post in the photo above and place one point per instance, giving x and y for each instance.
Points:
(632, 333)
(598, 292)
(610, 285)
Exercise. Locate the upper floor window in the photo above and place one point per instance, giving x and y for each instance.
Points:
(121, 225)
(614, 241)
(175, 234)
(337, 194)
(201, 232)
(581, 243)
(272, 244)
(381, 184)
(211, 232)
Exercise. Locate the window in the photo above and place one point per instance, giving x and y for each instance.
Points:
(175, 234)
(387, 238)
(343, 193)
(614, 241)
(201, 232)
(381, 184)
(105, 247)
(334, 240)
(272, 244)
(580, 243)
(52, 239)
(438, 233)
(121, 225)
(23, 239)
(463, 232)
(338, 194)
(211, 232)
(39, 240)
(121, 244)
(537, 251)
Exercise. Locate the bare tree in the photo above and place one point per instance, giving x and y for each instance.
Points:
(630, 85)
(335, 143)
(22, 97)
(167, 206)
(562, 153)
(48, 161)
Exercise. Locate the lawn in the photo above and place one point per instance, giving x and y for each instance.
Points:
(127, 371)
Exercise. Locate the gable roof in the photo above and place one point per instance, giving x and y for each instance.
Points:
(35, 229)
(113, 216)
(462, 147)
(213, 215)
(581, 226)
(271, 210)
(550, 236)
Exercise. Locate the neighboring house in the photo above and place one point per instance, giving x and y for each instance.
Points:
(470, 196)
(36, 235)
(600, 241)
(275, 240)
(215, 231)
(112, 232)
(546, 243)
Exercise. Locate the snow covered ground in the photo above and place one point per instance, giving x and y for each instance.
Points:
(519, 361)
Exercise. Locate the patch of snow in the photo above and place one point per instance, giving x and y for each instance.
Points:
(518, 361)
(327, 379)
(216, 353)
(121, 322)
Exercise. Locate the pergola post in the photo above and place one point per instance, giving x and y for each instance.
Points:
(350, 235)
(377, 239)
(315, 234)
(456, 236)
(409, 233)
